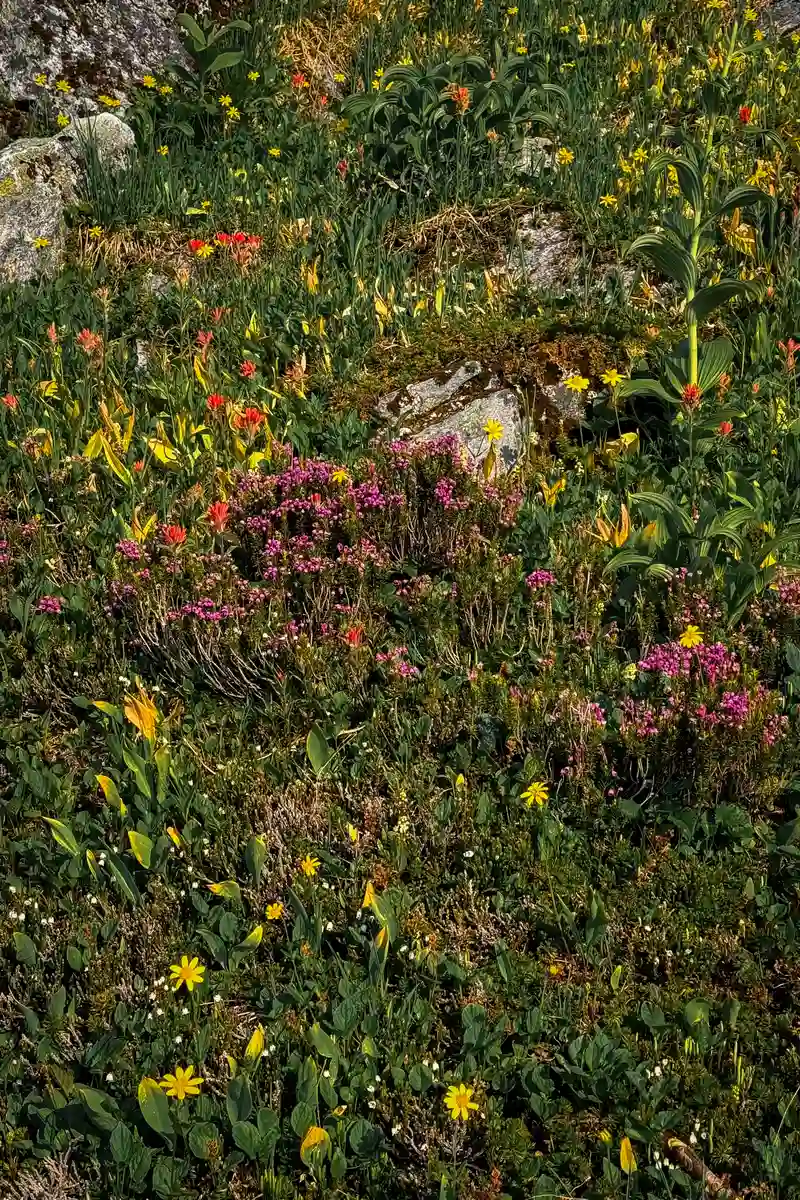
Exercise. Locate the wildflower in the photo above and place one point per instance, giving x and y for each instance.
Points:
(342, 167)
(299, 80)
(725, 428)
(459, 1100)
(52, 333)
(49, 604)
(274, 152)
(109, 101)
(9, 401)
(163, 151)
(536, 793)
(40, 80)
(612, 377)
(248, 369)
(232, 113)
(310, 865)
(95, 231)
(173, 535)
(274, 911)
(63, 86)
(90, 343)
(253, 76)
(604, 1137)
(609, 200)
(249, 420)
(166, 90)
(550, 491)
(62, 120)
(576, 383)
(149, 81)
(196, 245)
(564, 157)
(639, 155)
(182, 1084)
(493, 430)
(142, 713)
(204, 338)
(188, 973)
(218, 514)
(459, 96)
(789, 349)
(745, 113)
(41, 242)
(750, 14)
(340, 475)
(339, 77)
(205, 251)
(691, 637)
(226, 101)
(691, 396)
(214, 401)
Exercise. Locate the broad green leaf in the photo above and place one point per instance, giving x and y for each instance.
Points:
(645, 387)
(154, 1107)
(715, 358)
(741, 197)
(63, 835)
(226, 60)
(141, 847)
(25, 949)
(317, 749)
(204, 1140)
(667, 257)
(228, 890)
(135, 763)
(247, 1138)
(315, 1145)
(709, 298)
(238, 1101)
(322, 1042)
(255, 856)
(111, 794)
(124, 879)
(187, 22)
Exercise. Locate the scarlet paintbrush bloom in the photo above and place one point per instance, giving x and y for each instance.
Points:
(745, 113)
(247, 369)
(725, 428)
(217, 314)
(342, 167)
(249, 420)
(90, 343)
(354, 635)
(222, 238)
(205, 338)
(214, 401)
(240, 238)
(691, 395)
(196, 245)
(173, 535)
(218, 514)
(52, 333)
(9, 401)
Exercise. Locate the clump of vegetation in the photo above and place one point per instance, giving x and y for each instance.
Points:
(377, 821)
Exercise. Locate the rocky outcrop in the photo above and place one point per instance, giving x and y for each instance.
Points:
(39, 177)
(459, 401)
(786, 15)
(95, 45)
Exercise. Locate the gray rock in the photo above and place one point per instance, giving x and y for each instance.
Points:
(544, 254)
(459, 400)
(96, 45)
(786, 15)
(39, 177)
(112, 139)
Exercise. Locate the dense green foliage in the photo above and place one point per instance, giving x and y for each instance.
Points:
(443, 775)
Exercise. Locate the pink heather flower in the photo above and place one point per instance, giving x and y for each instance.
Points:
(49, 604)
(129, 549)
(539, 579)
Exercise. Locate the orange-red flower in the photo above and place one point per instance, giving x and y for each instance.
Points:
(9, 401)
(745, 113)
(249, 420)
(691, 396)
(725, 428)
(173, 535)
(218, 514)
(247, 369)
(196, 245)
(214, 401)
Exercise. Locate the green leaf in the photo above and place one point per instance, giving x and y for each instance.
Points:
(141, 847)
(101, 1108)
(255, 856)
(63, 835)
(322, 1042)
(709, 298)
(365, 1138)
(715, 358)
(187, 22)
(122, 1144)
(679, 516)
(25, 949)
(124, 879)
(626, 558)
(154, 1107)
(229, 58)
(667, 257)
(696, 1013)
(645, 387)
(238, 1101)
(741, 197)
(317, 749)
(135, 763)
(689, 178)
(204, 1140)
(247, 1138)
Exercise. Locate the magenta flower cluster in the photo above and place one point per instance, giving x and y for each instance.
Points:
(714, 663)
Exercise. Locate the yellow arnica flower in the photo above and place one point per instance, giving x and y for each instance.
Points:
(109, 101)
(576, 383)
(149, 81)
(95, 231)
(62, 120)
(182, 1084)
(166, 90)
(40, 79)
(253, 76)
(536, 793)
(274, 152)
(692, 636)
(63, 86)
(188, 973)
(274, 911)
(564, 156)
(310, 865)
(340, 475)
(609, 200)
(163, 151)
(612, 377)
(459, 1100)
(41, 242)
(493, 430)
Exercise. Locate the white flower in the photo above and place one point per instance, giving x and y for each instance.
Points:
(159, 1012)
(692, 1139)
(217, 998)
(178, 1040)
(371, 1104)
(110, 1077)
